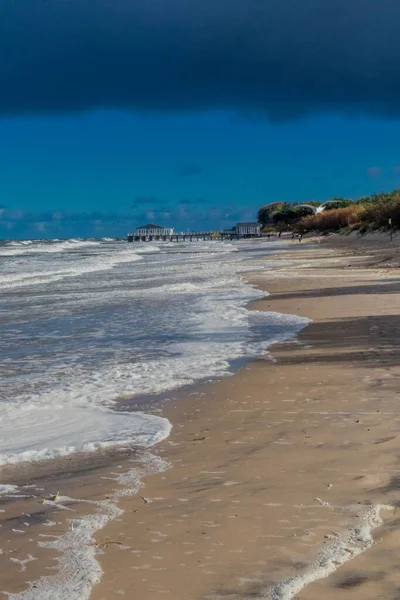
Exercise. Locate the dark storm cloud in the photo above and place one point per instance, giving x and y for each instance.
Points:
(283, 57)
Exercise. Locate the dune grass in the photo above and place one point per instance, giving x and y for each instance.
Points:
(372, 213)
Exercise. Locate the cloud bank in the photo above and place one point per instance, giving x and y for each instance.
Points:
(285, 58)
(196, 214)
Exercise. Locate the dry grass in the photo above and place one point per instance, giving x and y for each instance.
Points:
(378, 214)
(379, 211)
(335, 219)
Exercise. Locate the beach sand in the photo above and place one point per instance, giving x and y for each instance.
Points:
(277, 475)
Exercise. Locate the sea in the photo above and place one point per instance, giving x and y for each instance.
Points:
(93, 332)
(89, 323)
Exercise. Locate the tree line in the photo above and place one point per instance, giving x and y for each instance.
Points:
(378, 211)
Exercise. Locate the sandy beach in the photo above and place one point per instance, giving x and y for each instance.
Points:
(278, 482)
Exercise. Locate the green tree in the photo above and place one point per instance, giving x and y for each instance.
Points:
(289, 216)
(310, 202)
(338, 202)
(266, 213)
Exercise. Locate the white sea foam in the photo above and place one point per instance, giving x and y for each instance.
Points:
(166, 322)
(146, 248)
(7, 489)
(20, 243)
(78, 567)
(76, 344)
(32, 247)
(73, 415)
(335, 553)
(58, 272)
(52, 429)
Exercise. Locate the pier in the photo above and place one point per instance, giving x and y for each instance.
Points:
(191, 236)
(157, 233)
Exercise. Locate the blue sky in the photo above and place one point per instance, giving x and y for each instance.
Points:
(197, 135)
(105, 172)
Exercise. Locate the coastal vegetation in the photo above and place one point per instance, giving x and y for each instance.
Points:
(377, 212)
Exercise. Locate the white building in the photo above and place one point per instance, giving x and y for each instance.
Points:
(248, 229)
(153, 230)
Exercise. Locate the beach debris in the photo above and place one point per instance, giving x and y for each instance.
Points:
(50, 498)
(107, 543)
(331, 536)
(23, 562)
(329, 486)
(145, 500)
(322, 503)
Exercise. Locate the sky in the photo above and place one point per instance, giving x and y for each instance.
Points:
(191, 113)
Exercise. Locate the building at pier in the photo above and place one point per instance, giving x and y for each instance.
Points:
(248, 229)
(152, 230)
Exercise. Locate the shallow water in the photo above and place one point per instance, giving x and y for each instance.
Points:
(87, 323)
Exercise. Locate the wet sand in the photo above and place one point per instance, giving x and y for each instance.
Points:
(273, 470)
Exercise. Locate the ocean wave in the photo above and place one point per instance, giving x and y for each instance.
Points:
(20, 243)
(30, 247)
(91, 265)
(56, 429)
(85, 344)
(346, 546)
(146, 248)
(75, 413)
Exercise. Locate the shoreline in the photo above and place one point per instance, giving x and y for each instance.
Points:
(226, 432)
(199, 487)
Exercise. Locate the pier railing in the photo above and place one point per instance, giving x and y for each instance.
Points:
(190, 236)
